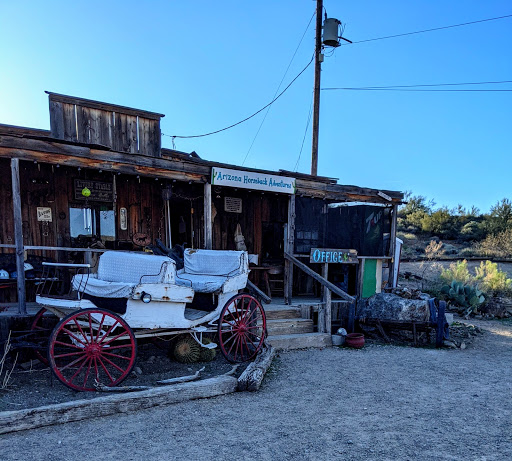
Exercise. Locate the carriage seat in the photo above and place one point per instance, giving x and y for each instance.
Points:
(210, 271)
(119, 272)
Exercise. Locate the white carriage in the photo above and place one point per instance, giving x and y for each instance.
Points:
(138, 295)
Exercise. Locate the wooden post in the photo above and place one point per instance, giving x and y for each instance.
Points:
(316, 92)
(351, 316)
(208, 216)
(18, 234)
(392, 245)
(325, 275)
(328, 311)
(289, 246)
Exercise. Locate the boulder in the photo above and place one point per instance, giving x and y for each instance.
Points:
(388, 306)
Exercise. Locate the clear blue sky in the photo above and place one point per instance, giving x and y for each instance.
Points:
(209, 64)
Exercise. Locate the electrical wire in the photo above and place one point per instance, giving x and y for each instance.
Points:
(428, 30)
(304, 137)
(250, 116)
(414, 89)
(423, 85)
(278, 87)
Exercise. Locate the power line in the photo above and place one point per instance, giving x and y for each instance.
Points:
(279, 86)
(428, 30)
(304, 137)
(250, 116)
(415, 86)
(414, 89)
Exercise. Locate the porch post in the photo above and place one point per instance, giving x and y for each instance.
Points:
(18, 235)
(289, 245)
(392, 245)
(207, 216)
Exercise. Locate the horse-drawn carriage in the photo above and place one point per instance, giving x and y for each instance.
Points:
(137, 295)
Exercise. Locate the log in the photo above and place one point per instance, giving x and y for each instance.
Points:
(103, 388)
(182, 379)
(12, 421)
(252, 377)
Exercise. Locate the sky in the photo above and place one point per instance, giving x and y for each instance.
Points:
(207, 65)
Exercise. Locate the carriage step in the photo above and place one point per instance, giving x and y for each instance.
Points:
(275, 313)
(301, 341)
(289, 326)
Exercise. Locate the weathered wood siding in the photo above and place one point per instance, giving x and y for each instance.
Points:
(105, 125)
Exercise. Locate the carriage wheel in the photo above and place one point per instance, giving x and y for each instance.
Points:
(37, 326)
(89, 346)
(242, 327)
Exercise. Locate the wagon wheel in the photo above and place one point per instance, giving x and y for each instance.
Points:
(242, 327)
(91, 345)
(37, 326)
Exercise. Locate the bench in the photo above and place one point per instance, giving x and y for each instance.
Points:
(120, 272)
(214, 271)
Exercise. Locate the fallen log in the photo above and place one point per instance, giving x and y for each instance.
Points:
(252, 377)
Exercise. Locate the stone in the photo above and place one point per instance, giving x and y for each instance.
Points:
(463, 345)
(495, 307)
(449, 344)
(138, 371)
(389, 306)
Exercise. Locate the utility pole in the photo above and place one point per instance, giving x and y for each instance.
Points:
(316, 95)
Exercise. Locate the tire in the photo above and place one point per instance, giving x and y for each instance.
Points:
(91, 346)
(241, 328)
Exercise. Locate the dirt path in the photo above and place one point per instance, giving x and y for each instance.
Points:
(379, 403)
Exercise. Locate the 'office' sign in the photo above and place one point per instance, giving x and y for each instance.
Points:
(325, 255)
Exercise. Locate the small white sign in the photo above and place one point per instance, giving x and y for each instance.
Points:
(44, 213)
(233, 204)
(253, 180)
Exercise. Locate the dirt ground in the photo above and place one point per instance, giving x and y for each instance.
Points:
(36, 386)
(378, 403)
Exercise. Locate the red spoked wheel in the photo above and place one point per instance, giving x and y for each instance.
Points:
(92, 346)
(37, 326)
(242, 328)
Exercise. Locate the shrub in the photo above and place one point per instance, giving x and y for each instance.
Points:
(471, 231)
(492, 280)
(458, 271)
(496, 246)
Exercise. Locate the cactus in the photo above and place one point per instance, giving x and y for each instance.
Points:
(464, 296)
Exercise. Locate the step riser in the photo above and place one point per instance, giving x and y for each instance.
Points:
(291, 342)
(282, 314)
(289, 328)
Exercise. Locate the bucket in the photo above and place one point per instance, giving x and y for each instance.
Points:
(355, 340)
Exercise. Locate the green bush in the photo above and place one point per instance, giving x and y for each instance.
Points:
(492, 280)
(471, 231)
(458, 271)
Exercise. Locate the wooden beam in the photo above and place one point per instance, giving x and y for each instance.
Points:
(319, 278)
(392, 244)
(208, 216)
(289, 245)
(18, 235)
(55, 152)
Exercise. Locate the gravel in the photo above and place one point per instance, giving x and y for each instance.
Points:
(378, 403)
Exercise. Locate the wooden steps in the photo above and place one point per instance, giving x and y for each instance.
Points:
(287, 330)
(300, 341)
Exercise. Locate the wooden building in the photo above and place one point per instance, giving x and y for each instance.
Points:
(99, 179)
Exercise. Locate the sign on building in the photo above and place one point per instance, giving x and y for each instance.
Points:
(253, 180)
(332, 256)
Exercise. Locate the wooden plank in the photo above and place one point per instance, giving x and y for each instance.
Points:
(155, 138)
(18, 234)
(207, 206)
(12, 421)
(319, 278)
(70, 133)
(132, 134)
(143, 135)
(106, 128)
(57, 119)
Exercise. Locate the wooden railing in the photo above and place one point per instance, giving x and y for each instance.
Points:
(324, 314)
